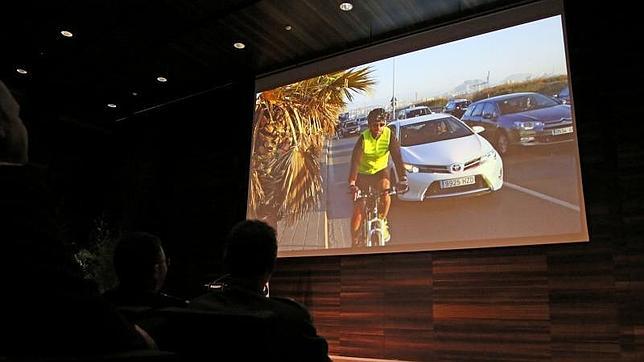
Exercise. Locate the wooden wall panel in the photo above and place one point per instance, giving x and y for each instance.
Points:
(583, 305)
(362, 306)
(630, 261)
(408, 299)
(317, 286)
(491, 307)
(560, 302)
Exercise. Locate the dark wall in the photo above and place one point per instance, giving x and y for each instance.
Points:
(179, 170)
(577, 302)
(184, 176)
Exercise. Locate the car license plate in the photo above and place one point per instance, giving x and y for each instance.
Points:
(559, 131)
(455, 182)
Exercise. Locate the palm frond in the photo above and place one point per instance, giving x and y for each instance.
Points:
(288, 140)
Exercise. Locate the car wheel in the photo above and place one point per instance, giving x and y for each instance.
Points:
(502, 143)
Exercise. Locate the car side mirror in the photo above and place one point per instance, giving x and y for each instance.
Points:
(478, 129)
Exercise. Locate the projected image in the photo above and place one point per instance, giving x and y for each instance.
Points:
(466, 144)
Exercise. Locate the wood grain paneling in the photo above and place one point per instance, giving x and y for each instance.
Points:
(408, 298)
(361, 306)
(583, 304)
(488, 305)
(318, 287)
(561, 303)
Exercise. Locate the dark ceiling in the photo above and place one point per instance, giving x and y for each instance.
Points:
(119, 48)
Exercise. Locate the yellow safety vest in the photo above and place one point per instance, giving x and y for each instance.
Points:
(375, 152)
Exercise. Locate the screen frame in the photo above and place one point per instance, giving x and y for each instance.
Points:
(427, 38)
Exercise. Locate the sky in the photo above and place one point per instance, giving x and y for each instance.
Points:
(536, 48)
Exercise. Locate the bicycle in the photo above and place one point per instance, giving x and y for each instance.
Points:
(372, 228)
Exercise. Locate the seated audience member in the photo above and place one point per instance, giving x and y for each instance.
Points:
(249, 258)
(141, 267)
(47, 309)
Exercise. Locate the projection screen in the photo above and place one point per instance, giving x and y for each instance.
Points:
(483, 113)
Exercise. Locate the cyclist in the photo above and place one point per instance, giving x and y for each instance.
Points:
(369, 161)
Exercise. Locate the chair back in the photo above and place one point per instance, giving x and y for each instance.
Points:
(224, 335)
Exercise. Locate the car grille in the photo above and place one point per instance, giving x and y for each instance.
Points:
(435, 189)
(562, 122)
(446, 169)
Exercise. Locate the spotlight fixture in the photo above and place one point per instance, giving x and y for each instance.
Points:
(288, 28)
(346, 6)
(21, 71)
(67, 34)
(111, 105)
(239, 45)
(162, 79)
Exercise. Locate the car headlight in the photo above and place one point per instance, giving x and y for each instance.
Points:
(411, 168)
(490, 155)
(528, 125)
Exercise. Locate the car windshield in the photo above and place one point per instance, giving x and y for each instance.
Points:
(418, 112)
(451, 105)
(432, 131)
(525, 103)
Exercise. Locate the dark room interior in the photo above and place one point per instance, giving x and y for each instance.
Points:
(143, 120)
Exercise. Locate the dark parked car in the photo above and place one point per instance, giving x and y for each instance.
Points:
(350, 127)
(564, 95)
(456, 107)
(362, 123)
(522, 119)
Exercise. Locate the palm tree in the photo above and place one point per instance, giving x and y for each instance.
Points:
(290, 126)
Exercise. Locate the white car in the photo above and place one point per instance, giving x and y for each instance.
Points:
(412, 112)
(446, 158)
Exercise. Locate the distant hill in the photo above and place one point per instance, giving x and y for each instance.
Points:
(515, 78)
(468, 86)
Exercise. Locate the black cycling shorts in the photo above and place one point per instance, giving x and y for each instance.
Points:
(364, 180)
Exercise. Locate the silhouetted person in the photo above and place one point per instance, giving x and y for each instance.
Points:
(249, 258)
(141, 267)
(46, 308)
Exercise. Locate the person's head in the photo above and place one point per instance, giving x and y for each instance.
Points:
(441, 127)
(13, 134)
(377, 120)
(140, 262)
(250, 251)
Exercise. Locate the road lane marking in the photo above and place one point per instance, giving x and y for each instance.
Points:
(542, 196)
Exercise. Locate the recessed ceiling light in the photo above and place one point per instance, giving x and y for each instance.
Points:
(288, 28)
(67, 34)
(162, 79)
(111, 105)
(239, 45)
(21, 71)
(134, 94)
(346, 6)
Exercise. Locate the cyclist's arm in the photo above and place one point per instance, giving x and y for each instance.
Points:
(394, 148)
(356, 156)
